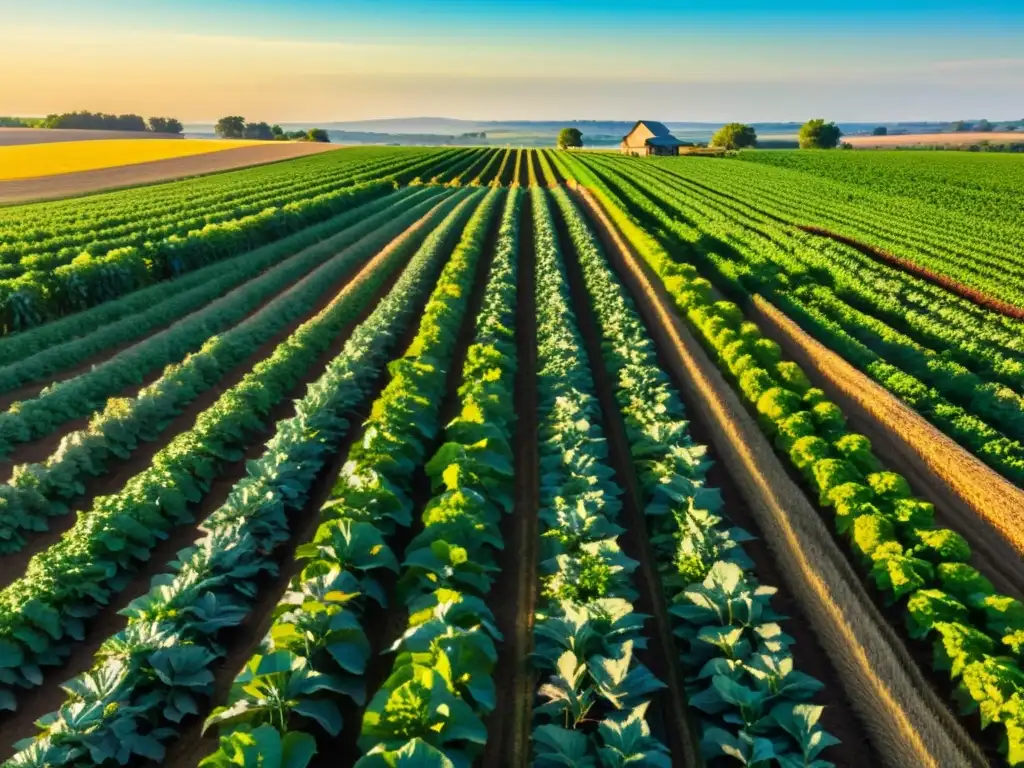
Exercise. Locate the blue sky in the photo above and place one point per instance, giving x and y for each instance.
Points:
(358, 59)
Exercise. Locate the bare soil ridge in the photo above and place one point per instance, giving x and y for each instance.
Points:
(85, 182)
(970, 497)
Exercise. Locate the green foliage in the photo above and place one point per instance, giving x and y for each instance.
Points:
(570, 138)
(735, 136)
(232, 127)
(817, 134)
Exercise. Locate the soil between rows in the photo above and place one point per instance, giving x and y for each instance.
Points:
(810, 657)
(513, 596)
(385, 626)
(48, 697)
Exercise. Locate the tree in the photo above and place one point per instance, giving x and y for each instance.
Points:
(258, 131)
(165, 125)
(880, 131)
(984, 126)
(817, 134)
(960, 126)
(570, 137)
(735, 136)
(318, 134)
(278, 132)
(230, 127)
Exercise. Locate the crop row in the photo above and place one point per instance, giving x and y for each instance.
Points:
(979, 252)
(977, 634)
(43, 236)
(158, 670)
(38, 491)
(85, 394)
(317, 648)
(956, 399)
(740, 669)
(586, 632)
(42, 613)
(446, 655)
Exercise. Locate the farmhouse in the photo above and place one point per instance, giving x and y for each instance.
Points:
(650, 138)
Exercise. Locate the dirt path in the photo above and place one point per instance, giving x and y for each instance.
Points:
(515, 592)
(905, 720)
(969, 497)
(86, 182)
(675, 728)
(18, 725)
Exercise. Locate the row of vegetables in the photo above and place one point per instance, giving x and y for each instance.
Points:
(977, 634)
(38, 491)
(823, 285)
(42, 295)
(741, 677)
(46, 235)
(981, 253)
(317, 647)
(587, 635)
(42, 613)
(82, 395)
(159, 669)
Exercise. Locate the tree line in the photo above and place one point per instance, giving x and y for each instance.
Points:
(814, 134)
(235, 127)
(101, 121)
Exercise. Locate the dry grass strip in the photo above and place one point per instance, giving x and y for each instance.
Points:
(907, 722)
(970, 497)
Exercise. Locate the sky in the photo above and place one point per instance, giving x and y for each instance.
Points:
(335, 60)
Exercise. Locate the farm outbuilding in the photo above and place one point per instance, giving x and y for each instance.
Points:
(650, 138)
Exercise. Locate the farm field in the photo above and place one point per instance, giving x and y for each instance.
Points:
(481, 457)
(29, 161)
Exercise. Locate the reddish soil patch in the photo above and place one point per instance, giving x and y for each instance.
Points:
(973, 295)
(934, 139)
(86, 182)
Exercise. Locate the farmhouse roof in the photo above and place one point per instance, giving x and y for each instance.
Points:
(658, 129)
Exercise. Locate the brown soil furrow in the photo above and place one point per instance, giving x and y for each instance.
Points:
(964, 291)
(906, 721)
(675, 727)
(969, 496)
(48, 697)
(515, 592)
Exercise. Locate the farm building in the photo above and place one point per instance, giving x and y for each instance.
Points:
(650, 138)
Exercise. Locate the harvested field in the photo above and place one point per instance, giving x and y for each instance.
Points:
(935, 139)
(208, 157)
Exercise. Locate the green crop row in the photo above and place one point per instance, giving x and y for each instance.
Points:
(740, 668)
(977, 635)
(316, 649)
(42, 613)
(38, 491)
(592, 704)
(159, 670)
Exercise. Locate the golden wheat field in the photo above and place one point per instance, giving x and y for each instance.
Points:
(29, 161)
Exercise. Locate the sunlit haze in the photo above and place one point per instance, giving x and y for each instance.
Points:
(531, 59)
